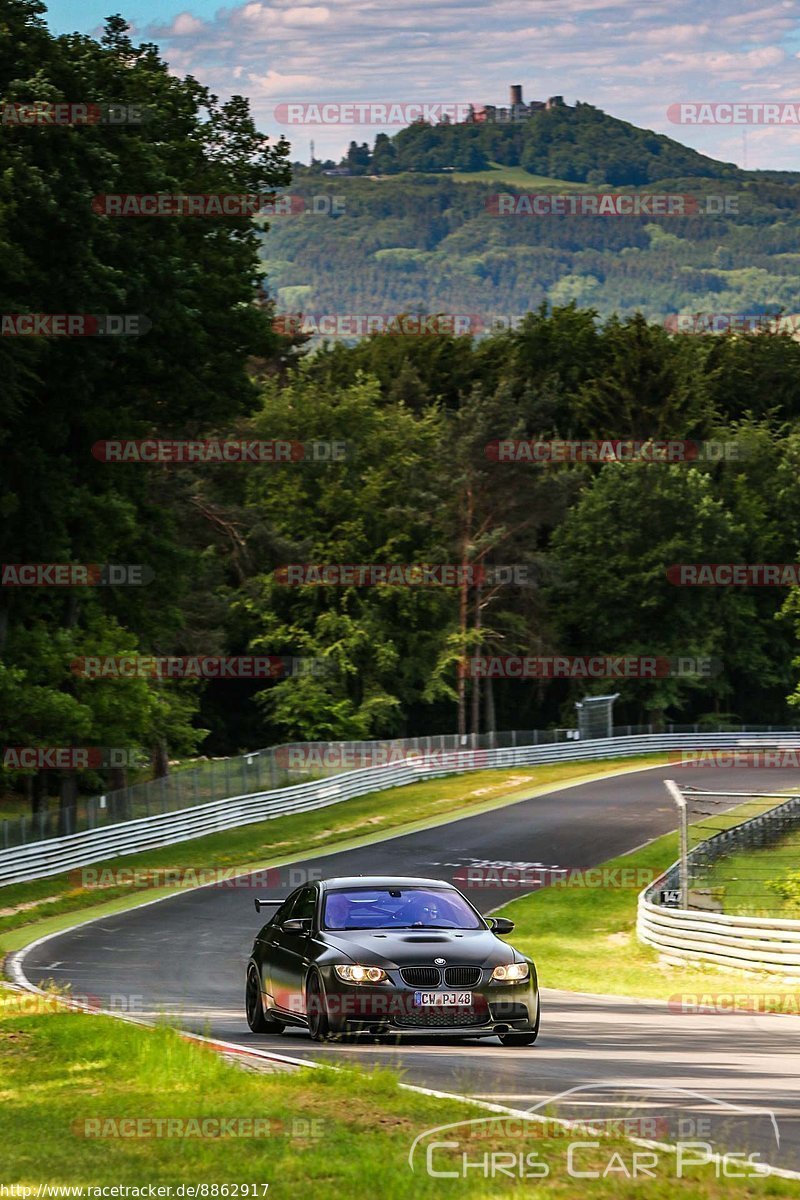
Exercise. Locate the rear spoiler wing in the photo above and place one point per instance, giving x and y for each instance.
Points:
(266, 904)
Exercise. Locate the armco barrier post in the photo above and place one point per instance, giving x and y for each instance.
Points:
(683, 828)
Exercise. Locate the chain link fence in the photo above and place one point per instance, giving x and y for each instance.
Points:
(280, 767)
(742, 853)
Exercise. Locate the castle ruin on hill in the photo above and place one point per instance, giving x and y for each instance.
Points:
(517, 109)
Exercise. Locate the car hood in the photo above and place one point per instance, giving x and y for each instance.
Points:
(418, 947)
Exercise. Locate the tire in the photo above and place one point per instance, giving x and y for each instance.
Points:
(318, 1024)
(526, 1038)
(257, 1019)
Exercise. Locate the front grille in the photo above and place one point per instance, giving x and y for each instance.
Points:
(421, 976)
(462, 976)
(443, 1018)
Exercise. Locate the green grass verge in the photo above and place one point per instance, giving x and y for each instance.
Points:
(741, 880)
(516, 177)
(345, 1133)
(42, 906)
(584, 940)
(495, 173)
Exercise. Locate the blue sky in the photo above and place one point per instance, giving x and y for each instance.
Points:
(631, 59)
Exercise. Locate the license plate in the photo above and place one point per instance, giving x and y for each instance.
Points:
(440, 999)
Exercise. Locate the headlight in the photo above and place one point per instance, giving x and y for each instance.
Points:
(511, 973)
(350, 974)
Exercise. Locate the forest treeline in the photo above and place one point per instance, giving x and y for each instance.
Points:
(436, 244)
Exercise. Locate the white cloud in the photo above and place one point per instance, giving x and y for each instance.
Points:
(631, 59)
(275, 84)
(307, 16)
(185, 23)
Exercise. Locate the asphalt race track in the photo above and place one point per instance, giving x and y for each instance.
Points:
(185, 956)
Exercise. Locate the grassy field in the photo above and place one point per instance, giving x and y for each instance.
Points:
(100, 1102)
(742, 880)
(584, 940)
(516, 177)
(495, 173)
(29, 910)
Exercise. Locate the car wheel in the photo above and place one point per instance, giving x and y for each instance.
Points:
(257, 1019)
(316, 1011)
(522, 1039)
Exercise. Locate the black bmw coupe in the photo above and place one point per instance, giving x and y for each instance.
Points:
(393, 956)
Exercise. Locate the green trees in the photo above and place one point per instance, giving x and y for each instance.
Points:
(613, 594)
(383, 504)
(564, 142)
(473, 260)
(417, 412)
(193, 279)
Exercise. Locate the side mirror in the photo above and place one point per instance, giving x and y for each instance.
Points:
(298, 925)
(500, 924)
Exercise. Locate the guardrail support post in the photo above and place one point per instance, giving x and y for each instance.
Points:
(683, 830)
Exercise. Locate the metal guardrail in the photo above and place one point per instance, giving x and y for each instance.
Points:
(270, 769)
(259, 770)
(770, 944)
(55, 855)
(749, 943)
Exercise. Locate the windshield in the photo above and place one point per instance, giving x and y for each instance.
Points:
(398, 908)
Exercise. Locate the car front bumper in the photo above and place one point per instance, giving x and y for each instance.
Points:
(389, 1008)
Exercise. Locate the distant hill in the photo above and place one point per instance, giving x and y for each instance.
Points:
(430, 240)
(580, 144)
